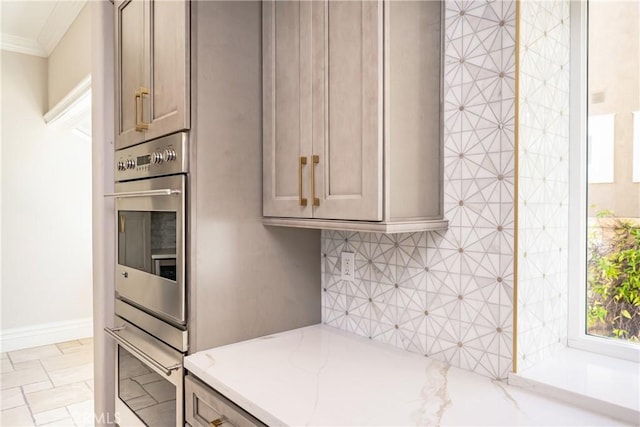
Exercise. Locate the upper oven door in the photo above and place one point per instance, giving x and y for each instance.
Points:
(151, 226)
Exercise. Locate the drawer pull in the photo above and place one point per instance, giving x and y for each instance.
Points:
(218, 422)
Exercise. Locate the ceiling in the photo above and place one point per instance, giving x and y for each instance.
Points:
(36, 27)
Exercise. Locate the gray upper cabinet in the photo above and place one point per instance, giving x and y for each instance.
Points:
(352, 115)
(287, 108)
(322, 94)
(152, 69)
(347, 96)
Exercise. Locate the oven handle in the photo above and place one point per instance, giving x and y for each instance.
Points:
(130, 347)
(163, 192)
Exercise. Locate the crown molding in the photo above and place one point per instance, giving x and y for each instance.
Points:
(75, 103)
(22, 45)
(63, 15)
(54, 28)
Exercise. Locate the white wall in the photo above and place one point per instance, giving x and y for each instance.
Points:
(46, 208)
(70, 61)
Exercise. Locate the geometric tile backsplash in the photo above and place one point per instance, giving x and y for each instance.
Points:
(543, 154)
(449, 294)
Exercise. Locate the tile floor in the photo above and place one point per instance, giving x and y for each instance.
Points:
(50, 385)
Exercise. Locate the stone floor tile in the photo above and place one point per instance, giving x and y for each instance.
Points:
(62, 346)
(73, 374)
(6, 366)
(67, 422)
(48, 385)
(67, 360)
(23, 377)
(58, 397)
(29, 364)
(11, 398)
(34, 353)
(74, 346)
(82, 413)
(42, 385)
(4, 355)
(50, 416)
(19, 416)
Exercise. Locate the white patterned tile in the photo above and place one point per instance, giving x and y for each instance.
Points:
(409, 286)
(544, 134)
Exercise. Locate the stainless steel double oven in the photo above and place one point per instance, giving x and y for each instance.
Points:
(151, 312)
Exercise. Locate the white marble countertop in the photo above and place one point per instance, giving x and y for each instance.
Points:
(322, 376)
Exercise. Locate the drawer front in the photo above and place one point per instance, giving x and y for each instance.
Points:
(206, 407)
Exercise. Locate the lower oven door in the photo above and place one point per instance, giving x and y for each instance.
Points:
(149, 379)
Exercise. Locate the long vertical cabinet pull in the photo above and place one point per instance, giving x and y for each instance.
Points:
(141, 125)
(143, 91)
(302, 162)
(314, 160)
(136, 97)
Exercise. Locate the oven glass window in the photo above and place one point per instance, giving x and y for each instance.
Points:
(149, 395)
(147, 242)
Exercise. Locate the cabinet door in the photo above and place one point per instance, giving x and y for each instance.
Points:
(287, 104)
(166, 107)
(130, 69)
(348, 107)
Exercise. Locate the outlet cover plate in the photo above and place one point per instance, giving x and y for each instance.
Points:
(348, 268)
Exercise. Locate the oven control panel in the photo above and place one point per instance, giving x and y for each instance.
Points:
(163, 156)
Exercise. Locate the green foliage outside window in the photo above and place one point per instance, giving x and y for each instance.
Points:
(613, 275)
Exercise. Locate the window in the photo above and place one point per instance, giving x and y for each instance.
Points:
(600, 143)
(604, 312)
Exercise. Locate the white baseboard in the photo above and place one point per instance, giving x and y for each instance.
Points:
(46, 333)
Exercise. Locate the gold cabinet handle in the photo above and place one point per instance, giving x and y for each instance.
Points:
(136, 97)
(142, 125)
(301, 163)
(315, 160)
(218, 422)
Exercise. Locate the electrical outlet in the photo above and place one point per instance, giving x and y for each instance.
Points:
(348, 266)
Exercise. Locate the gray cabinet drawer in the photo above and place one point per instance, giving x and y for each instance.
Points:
(206, 407)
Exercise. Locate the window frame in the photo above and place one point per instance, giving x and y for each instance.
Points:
(577, 336)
